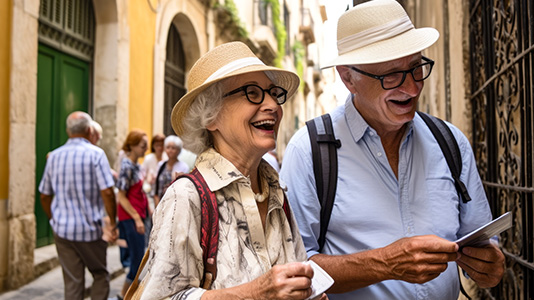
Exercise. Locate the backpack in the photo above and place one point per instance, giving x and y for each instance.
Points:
(324, 147)
(209, 236)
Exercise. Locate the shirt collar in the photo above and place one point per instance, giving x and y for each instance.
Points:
(78, 140)
(357, 125)
(220, 172)
(216, 170)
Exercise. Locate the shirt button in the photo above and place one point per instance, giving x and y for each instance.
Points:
(379, 154)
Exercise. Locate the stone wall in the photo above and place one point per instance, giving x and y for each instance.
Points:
(23, 89)
(446, 92)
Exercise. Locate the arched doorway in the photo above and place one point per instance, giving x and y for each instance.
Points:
(174, 75)
(65, 55)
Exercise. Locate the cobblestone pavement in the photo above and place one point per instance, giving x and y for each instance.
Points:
(50, 285)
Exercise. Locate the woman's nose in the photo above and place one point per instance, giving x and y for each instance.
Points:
(270, 103)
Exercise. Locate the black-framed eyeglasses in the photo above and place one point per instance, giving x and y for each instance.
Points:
(255, 93)
(395, 79)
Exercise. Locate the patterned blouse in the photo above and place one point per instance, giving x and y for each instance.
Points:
(131, 181)
(245, 250)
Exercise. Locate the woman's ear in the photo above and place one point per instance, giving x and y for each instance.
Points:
(212, 126)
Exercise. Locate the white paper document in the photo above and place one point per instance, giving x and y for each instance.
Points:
(321, 281)
(481, 236)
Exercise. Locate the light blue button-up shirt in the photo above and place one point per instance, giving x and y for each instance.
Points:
(373, 208)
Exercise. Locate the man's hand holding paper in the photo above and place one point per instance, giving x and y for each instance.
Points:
(481, 259)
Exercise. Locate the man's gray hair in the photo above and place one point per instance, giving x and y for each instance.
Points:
(78, 122)
(202, 112)
(96, 126)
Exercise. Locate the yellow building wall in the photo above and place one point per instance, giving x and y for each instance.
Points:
(5, 41)
(142, 22)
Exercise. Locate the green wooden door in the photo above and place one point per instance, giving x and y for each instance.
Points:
(62, 87)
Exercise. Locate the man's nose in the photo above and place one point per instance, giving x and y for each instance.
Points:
(410, 86)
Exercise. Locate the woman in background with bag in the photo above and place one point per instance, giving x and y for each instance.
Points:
(170, 169)
(230, 117)
(133, 203)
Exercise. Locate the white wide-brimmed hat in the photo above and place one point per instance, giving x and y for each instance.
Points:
(225, 61)
(378, 31)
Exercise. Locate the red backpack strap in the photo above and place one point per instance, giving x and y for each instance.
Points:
(285, 206)
(209, 235)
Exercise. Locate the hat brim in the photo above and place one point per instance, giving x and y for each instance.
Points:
(286, 79)
(407, 43)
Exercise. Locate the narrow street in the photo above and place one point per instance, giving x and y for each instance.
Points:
(50, 284)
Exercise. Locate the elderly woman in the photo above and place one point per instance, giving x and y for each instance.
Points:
(133, 203)
(169, 169)
(230, 117)
(154, 158)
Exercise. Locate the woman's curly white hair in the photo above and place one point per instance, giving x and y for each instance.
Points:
(200, 114)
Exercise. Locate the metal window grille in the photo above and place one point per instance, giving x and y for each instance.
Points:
(68, 25)
(502, 89)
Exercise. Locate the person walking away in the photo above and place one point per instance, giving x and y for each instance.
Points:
(76, 187)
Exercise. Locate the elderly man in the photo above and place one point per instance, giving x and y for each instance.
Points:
(76, 186)
(396, 213)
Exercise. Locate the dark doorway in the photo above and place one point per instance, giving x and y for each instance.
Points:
(174, 76)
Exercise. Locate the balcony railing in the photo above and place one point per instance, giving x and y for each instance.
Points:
(306, 26)
(263, 32)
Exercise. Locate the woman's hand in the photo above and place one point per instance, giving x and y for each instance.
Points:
(139, 226)
(289, 281)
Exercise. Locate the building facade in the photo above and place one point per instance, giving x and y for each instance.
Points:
(126, 63)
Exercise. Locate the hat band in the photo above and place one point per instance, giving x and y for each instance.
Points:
(233, 66)
(375, 34)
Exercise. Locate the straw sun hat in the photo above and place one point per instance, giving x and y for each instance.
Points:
(378, 31)
(223, 62)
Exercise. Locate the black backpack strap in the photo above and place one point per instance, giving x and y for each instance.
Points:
(209, 235)
(324, 154)
(449, 146)
(160, 170)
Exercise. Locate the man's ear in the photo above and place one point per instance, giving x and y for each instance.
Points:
(346, 76)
